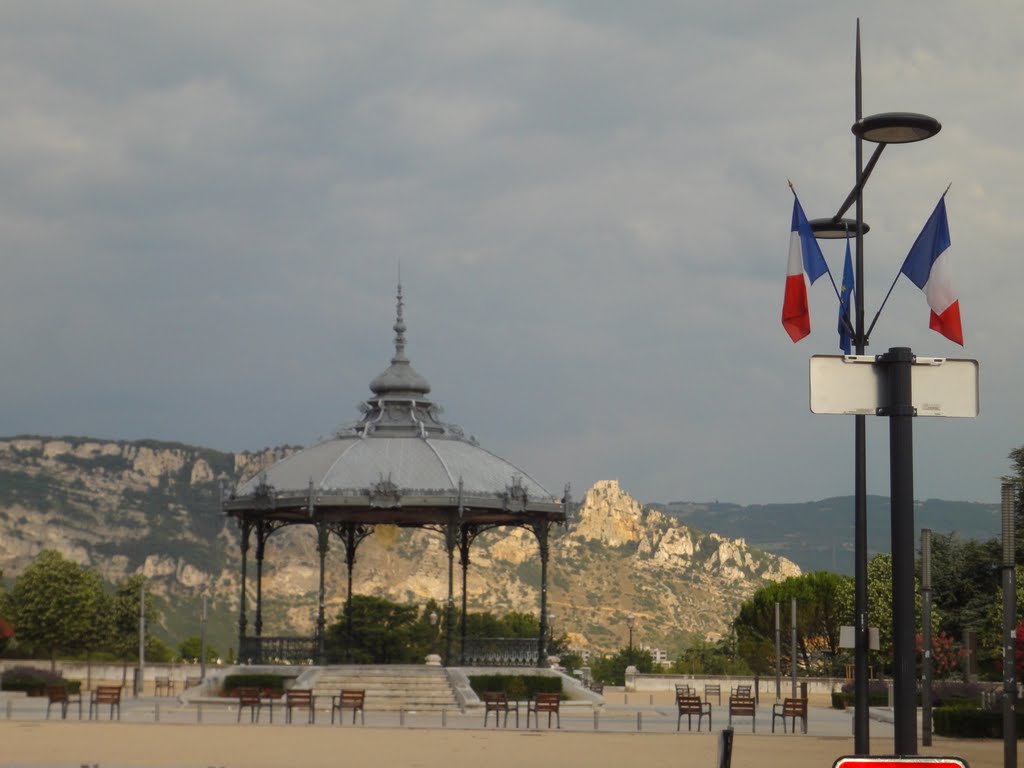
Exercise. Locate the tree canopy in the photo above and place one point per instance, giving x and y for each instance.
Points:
(824, 603)
(57, 605)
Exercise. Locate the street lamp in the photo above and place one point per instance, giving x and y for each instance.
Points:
(631, 622)
(882, 129)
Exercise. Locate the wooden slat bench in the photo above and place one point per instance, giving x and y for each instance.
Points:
(58, 694)
(300, 698)
(544, 702)
(105, 694)
(743, 706)
(690, 706)
(349, 699)
(498, 703)
(165, 686)
(791, 708)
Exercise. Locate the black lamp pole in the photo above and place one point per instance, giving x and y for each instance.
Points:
(1009, 617)
(882, 129)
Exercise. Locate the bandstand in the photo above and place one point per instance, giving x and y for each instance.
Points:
(398, 465)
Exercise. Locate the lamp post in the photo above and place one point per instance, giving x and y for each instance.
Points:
(433, 631)
(882, 129)
(631, 622)
(1009, 618)
(202, 641)
(926, 637)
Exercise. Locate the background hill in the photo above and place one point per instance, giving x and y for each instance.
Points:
(153, 508)
(818, 535)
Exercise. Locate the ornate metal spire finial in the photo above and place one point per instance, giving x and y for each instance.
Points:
(399, 329)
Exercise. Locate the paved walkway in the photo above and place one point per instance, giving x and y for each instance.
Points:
(634, 712)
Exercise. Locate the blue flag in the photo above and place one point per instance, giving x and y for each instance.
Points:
(845, 292)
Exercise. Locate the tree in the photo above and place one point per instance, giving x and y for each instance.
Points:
(611, 670)
(824, 604)
(382, 632)
(990, 636)
(191, 649)
(880, 612)
(55, 605)
(1017, 479)
(706, 658)
(965, 576)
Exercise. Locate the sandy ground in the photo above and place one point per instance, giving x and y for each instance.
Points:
(124, 745)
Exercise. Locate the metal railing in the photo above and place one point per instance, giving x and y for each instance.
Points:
(500, 652)
(274, 650)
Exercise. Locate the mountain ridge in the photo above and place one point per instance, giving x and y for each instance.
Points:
(125, 507)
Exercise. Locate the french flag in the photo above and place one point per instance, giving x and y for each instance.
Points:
(804, 257)
(929, 267)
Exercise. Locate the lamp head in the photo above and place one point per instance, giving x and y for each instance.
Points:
(831, 229)
(896, 127)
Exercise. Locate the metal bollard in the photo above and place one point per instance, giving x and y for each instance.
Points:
(401, 718)
(156, 715)
(639, 721)
(597, 716)
(444, 717)
(8, 708)
(199, 712)
(725, 748)
(651, 699)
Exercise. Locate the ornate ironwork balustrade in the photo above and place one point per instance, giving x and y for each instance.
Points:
(277, 650)
(500, 652)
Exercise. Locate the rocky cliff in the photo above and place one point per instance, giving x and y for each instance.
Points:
(153, 508)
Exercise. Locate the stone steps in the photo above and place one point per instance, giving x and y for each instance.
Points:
(389, 689)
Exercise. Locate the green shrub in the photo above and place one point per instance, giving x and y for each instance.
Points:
(841, 700)
(968, 723)
(516, 687)
(31, 680)
(270, 684)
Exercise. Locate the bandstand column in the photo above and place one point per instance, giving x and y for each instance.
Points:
(451, 541)
(351, 543)
(464, 561)
(541, 530)
(245, 528)
(261, 544)
(321, 548)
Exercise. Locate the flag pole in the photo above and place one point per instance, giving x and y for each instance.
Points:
(898, 273)
(862, 745)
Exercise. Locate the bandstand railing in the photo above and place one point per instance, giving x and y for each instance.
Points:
(500, 652)
(275, 650)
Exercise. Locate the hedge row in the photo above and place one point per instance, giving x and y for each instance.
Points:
(268, 683)
(964, 723)
(515, 686)
(841, 700)
(34, 681)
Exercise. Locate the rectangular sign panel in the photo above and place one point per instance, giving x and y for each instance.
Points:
(900, 762)
(856, 384)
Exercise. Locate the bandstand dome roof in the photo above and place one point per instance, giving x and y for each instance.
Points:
(398, 456)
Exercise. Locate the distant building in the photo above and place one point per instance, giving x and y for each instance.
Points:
(660, 656)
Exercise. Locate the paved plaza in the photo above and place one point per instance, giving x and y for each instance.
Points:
(629, 730)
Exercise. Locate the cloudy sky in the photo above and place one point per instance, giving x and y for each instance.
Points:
(204, 206)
